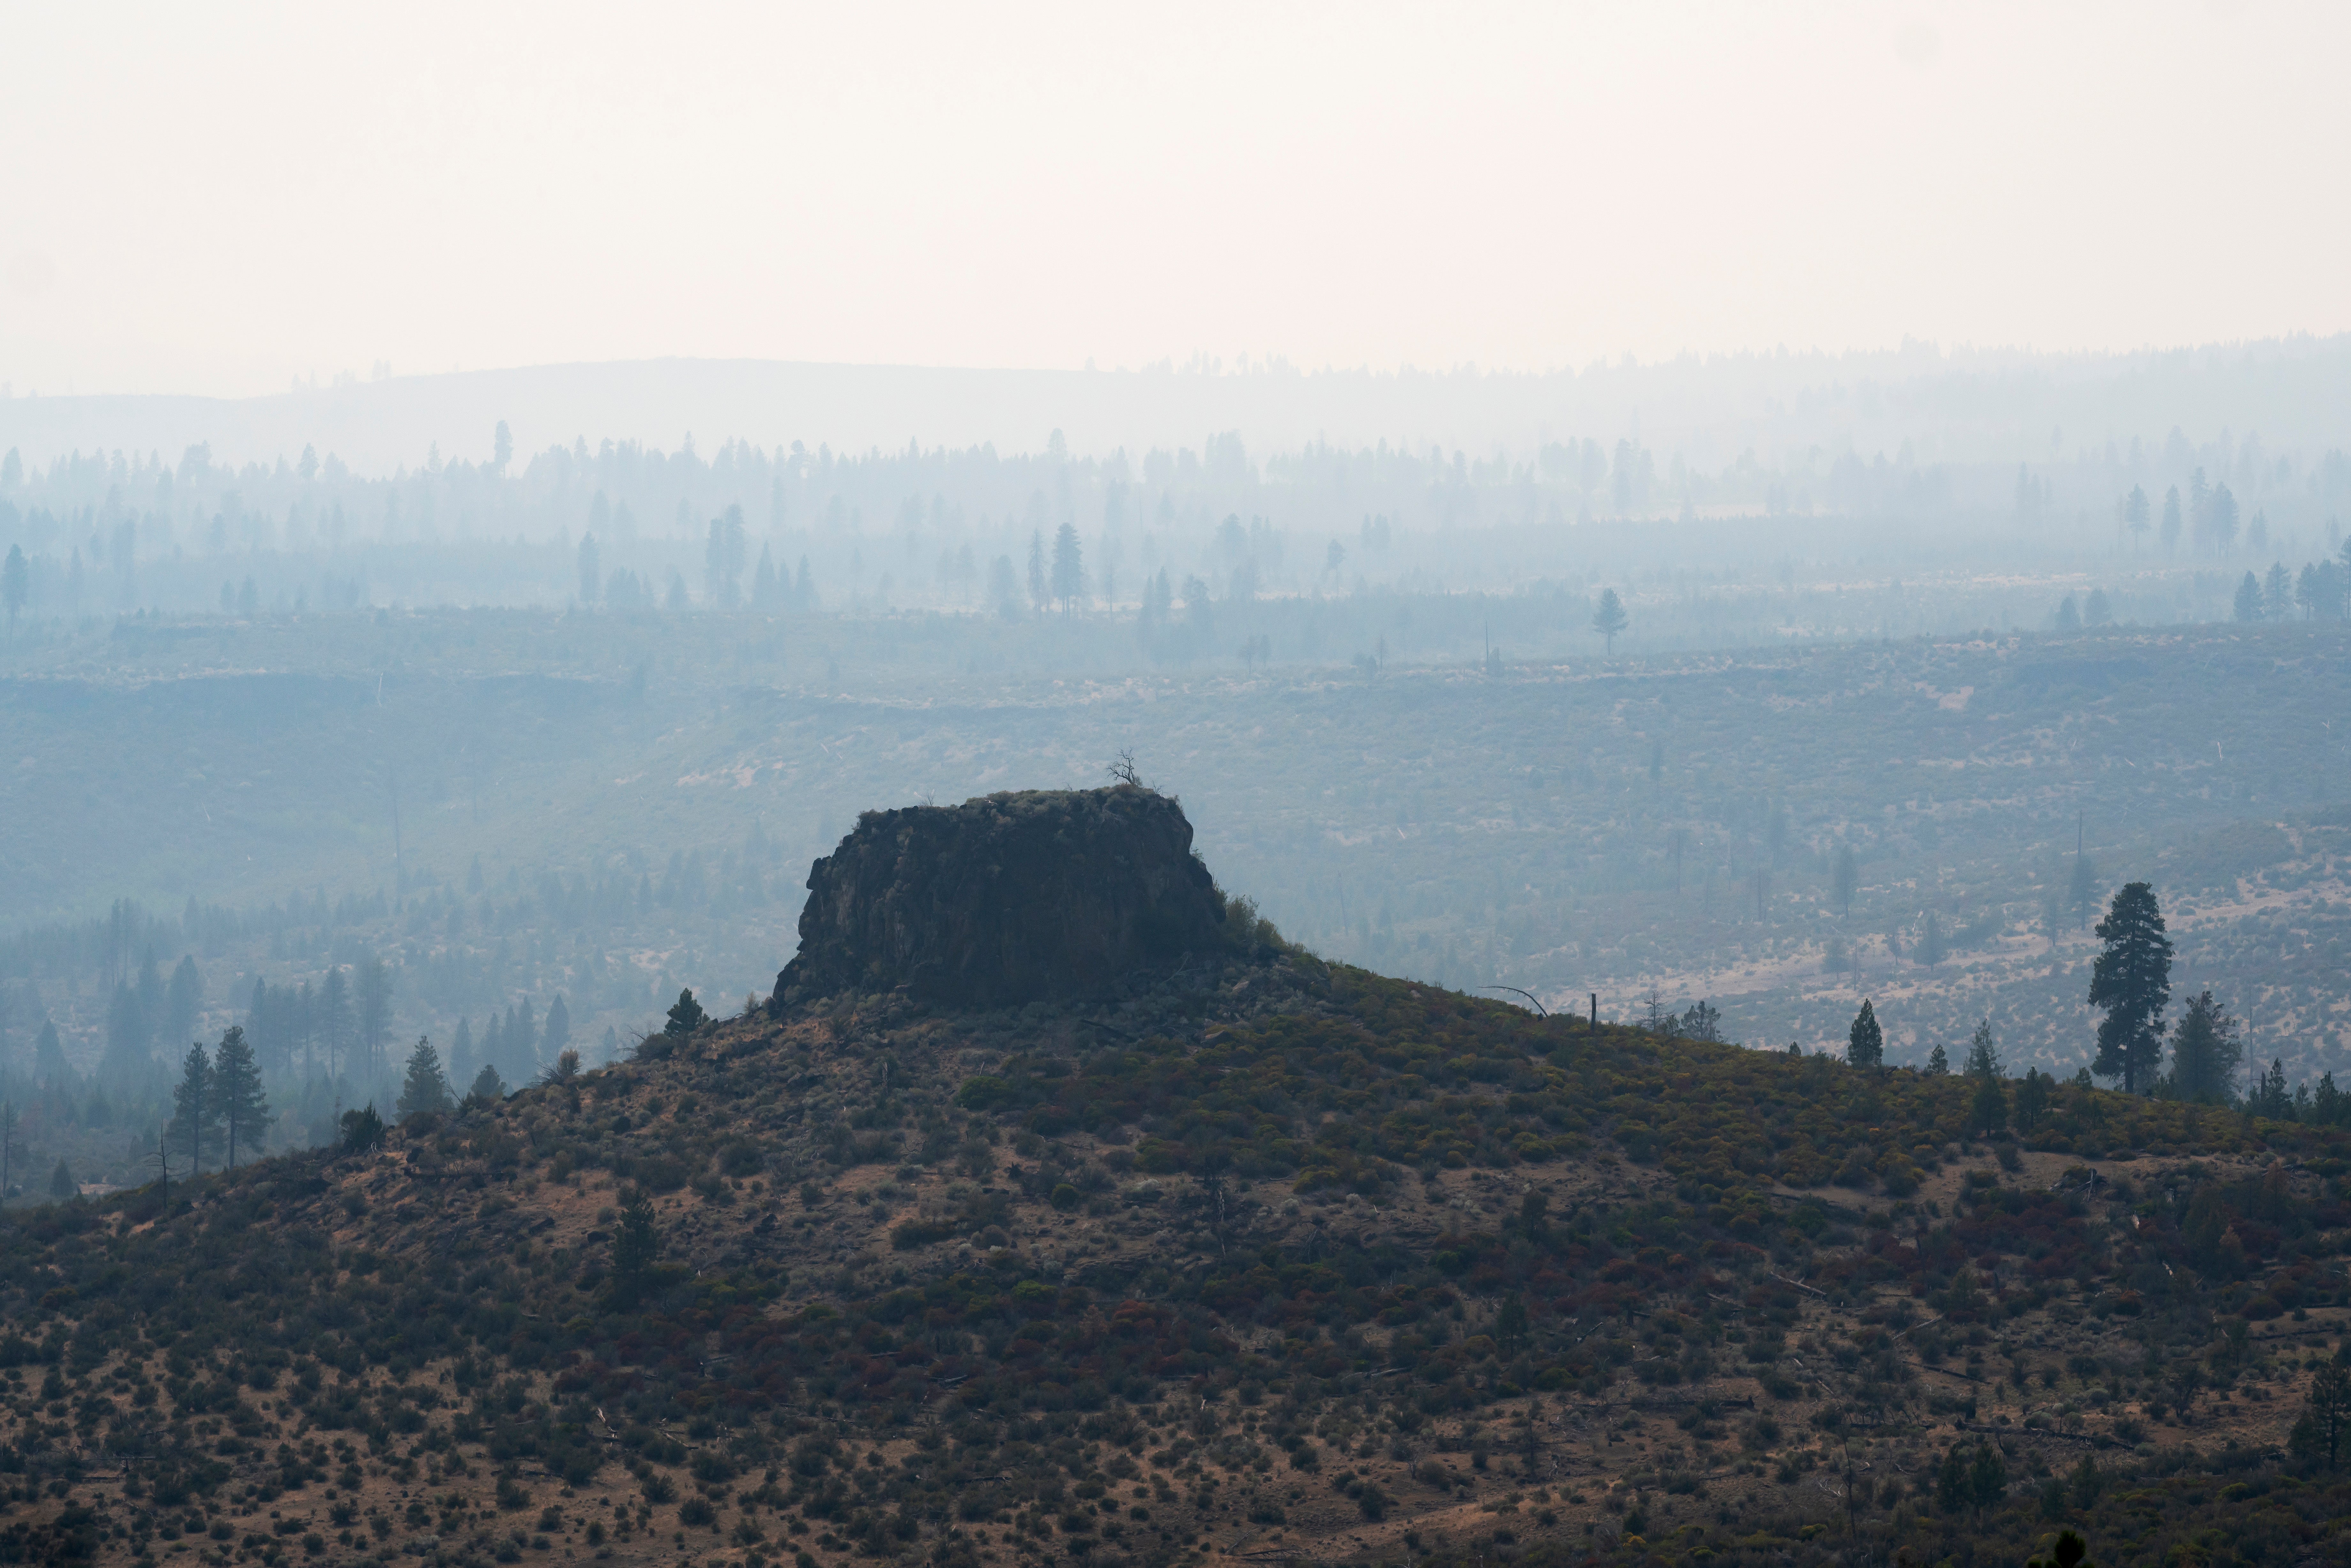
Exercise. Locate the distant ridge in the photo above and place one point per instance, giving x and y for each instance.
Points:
(1957, 405)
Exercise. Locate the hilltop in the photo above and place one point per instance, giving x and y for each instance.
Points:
(1014, 897)
(1232, 1254)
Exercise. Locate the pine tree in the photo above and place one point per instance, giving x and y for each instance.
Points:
(2136, 512)
(635, 1252)
(2131, 980)
(424, 1089)
(2221, 519)
(1983, 1054)
(2277, 593)
(62, 1185)
(153, 997)
(16, 582)
(559, 1030)
(1932, 948)
(2248, 606)
(1952, 1492)
(1866, 1042)
(371, 1000)
(238, 1089)
(1939, 1064)
(50, 1064)
(2325, 1420)
(2084, 889)
(1990, 1106)
(262, 1028)
(1987, 1478)
(334, 1022)
(1608, 617)
(181, 1001)
(461, 1053)
(1510, 1324)
(2033, 1096)
(714, 564)
(195, 1126)
(487, 1088)
(2206, 1053)
(2086, 1483)
(1069, 566)
(685, 1015)
(2271, 1098)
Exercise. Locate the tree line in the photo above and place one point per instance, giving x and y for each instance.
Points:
(2130, 985)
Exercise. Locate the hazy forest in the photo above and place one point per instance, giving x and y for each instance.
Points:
(506, 745)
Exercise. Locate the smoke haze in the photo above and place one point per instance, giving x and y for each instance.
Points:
(221, 201)
(1689, 504)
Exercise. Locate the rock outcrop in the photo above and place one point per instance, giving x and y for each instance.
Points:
(1006, 899)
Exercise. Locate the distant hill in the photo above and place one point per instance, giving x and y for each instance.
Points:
(1959, 406)
(1251, 1258)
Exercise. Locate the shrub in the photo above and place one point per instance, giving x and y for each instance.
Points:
(362, 1130)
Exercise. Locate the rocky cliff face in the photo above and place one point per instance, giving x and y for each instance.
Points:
(1006, 899)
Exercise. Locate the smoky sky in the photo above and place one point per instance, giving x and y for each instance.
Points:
(226, 198)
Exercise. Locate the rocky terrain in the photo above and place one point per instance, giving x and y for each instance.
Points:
(1243, 1257)
(1011, 898)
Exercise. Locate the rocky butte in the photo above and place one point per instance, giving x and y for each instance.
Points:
(1028, 896)
(1060, 1214)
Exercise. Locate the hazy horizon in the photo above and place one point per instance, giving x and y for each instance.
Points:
(1935, 404)
(273, 197)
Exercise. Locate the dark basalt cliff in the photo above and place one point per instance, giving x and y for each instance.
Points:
(1006, 899)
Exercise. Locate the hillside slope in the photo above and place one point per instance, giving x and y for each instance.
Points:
(1263, 1259)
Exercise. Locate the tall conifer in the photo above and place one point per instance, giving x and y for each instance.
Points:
(2131, 980)
(1866, 1042)
(424, 1089)
(196, 1129)
(238, 1089)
